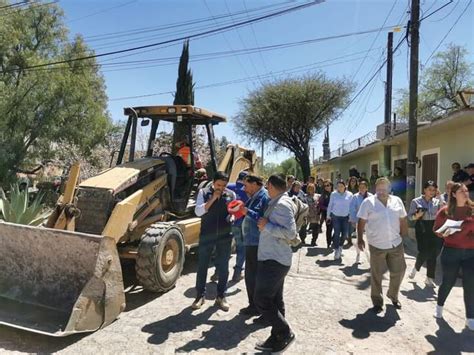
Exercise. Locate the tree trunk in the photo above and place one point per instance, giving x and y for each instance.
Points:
(304, 162)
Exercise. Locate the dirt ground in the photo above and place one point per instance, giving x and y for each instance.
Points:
(327, 306)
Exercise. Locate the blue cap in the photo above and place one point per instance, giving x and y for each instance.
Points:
(242, 175)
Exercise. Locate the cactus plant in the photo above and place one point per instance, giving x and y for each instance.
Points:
(18, 210)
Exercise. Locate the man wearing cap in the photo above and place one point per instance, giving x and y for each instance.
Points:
(238, 189)
(470, 181)
(253, 211)
(211, 206)
(459, 175)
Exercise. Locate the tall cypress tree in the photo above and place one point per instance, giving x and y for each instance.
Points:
(184, 85)
(184, 91)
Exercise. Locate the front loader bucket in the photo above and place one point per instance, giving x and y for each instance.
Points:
(57, 282)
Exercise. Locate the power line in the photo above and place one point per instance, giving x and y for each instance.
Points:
(173, 44)
(183, 29)
(376, 37)
(179, 39)
(226, 40)
(321, 39)
(448, 32)
(221, 54)
(243, 44)
(17, 4)
(103, 11)
(374, 75)
(448, 14)
(432, 5)
(140, 30)
(281, 72)
(255, 37)
(238, 81)
(362, 108)
(266, 75)
(32, 5)
(435, 11)
(378, 63)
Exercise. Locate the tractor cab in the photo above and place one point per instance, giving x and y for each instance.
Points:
(168, 152)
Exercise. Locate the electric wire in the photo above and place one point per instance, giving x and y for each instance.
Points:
(102, 11)
(244, 70)
(221, 54)
(315, 65)
(148, 29)
(179, 39)
(448, 32)
(255, 37)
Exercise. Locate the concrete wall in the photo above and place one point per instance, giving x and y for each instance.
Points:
(361, 160)
(454, 145)
(453, 141)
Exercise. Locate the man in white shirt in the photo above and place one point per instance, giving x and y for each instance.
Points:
(383, 217)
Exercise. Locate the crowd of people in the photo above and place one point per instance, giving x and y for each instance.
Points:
(265, 221)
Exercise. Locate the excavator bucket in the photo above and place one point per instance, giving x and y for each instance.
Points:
(58, 282)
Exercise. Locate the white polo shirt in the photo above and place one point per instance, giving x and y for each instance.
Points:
(383, 223)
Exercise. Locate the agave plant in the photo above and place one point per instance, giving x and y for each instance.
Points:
(19, 210)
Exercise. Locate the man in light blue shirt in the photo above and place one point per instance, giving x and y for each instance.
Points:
(277, 229)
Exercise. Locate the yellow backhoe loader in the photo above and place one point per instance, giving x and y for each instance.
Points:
(66, 277)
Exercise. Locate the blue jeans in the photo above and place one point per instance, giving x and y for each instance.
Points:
(341, 230)
(351, 229)
(223, 247)
(239, 248)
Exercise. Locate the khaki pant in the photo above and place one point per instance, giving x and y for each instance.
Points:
(380, 260)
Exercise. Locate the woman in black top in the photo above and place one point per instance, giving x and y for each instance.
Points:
(323, 208)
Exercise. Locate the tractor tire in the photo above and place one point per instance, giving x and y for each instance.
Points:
(160, 257)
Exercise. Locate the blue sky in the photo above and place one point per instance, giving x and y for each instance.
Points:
(343, 57)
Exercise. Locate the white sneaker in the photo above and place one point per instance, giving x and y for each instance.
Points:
(429, 282)
(412, 273)
(470, 323)
(439, 312)
(358, 258)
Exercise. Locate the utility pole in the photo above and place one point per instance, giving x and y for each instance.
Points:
(387, 149)
(413, 103)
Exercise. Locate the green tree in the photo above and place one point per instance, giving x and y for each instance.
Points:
(271, 168)
(291, 167)
(220, 145)
(290, 112)
(287, 167)
(45, 109)
(449, 73)
(184, 90)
